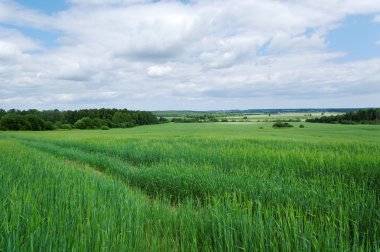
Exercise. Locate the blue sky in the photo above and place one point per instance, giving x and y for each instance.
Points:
(356, 36)
(196, 55)
(46, 6)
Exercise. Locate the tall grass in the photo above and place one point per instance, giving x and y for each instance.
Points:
(146, 191)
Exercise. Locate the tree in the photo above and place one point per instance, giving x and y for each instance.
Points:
(2, 113)
(282, 125)
(85, 123)
(119, 118)
(35, 123)
(33, 119)
(13, 122)
(360, 116)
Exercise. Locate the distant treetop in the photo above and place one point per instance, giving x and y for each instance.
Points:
(364, 116)
(33, 119)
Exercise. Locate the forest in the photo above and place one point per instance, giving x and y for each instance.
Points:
(363, 116)
(36, 120)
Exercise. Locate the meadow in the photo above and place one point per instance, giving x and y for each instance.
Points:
(192, 187)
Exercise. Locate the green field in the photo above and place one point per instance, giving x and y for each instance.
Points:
(192, 187)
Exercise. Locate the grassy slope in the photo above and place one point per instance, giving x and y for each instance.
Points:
(214, 186)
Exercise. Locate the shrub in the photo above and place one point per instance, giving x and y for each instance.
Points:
(85, 123)
(58, 125)
(24, 122)
(104, 127)
(49, 126)
(98, 123)
(12, 122)
(163, 120)
(129, 125)
(282, 125)
(35, 123)
(302, 126)
(67, 126)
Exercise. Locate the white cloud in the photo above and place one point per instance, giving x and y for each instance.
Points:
(13, 13)
(137, 53)
(285, 42)
(157, 71)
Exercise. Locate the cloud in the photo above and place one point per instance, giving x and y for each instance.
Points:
(174, 55)
(151, 31)
(13, 13)
(157, 71)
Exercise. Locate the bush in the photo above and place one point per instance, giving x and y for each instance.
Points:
(98, 123)
(282, 125)
(67, 126)
(302, 126)
(58, 125)
(104, 127)
(85, 123)
(49, 126)
(163, 120)
(35, 123)
(129, 125)
(12, 122)
(24, 122)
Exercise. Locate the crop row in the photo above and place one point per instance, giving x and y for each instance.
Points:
(194, 204)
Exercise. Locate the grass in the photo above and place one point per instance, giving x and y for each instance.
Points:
(191, 187)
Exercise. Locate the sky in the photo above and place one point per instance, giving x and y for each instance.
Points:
(189, 55)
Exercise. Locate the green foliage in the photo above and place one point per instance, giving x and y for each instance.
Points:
(130, 124)
(35, 123)
(104, 127)
(185, 120)
(363, 116)
(2, 113)
(120, 118)
(95, 118)
(49, 126)
(190, 118)
(282, 125)
(302, 126)
(163, 120)
(13, 122)
(85, 123)
(66, 126)
(24, 122)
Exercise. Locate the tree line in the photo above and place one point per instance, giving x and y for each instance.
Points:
(363, 116)
(36, 120)
(195, 118)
